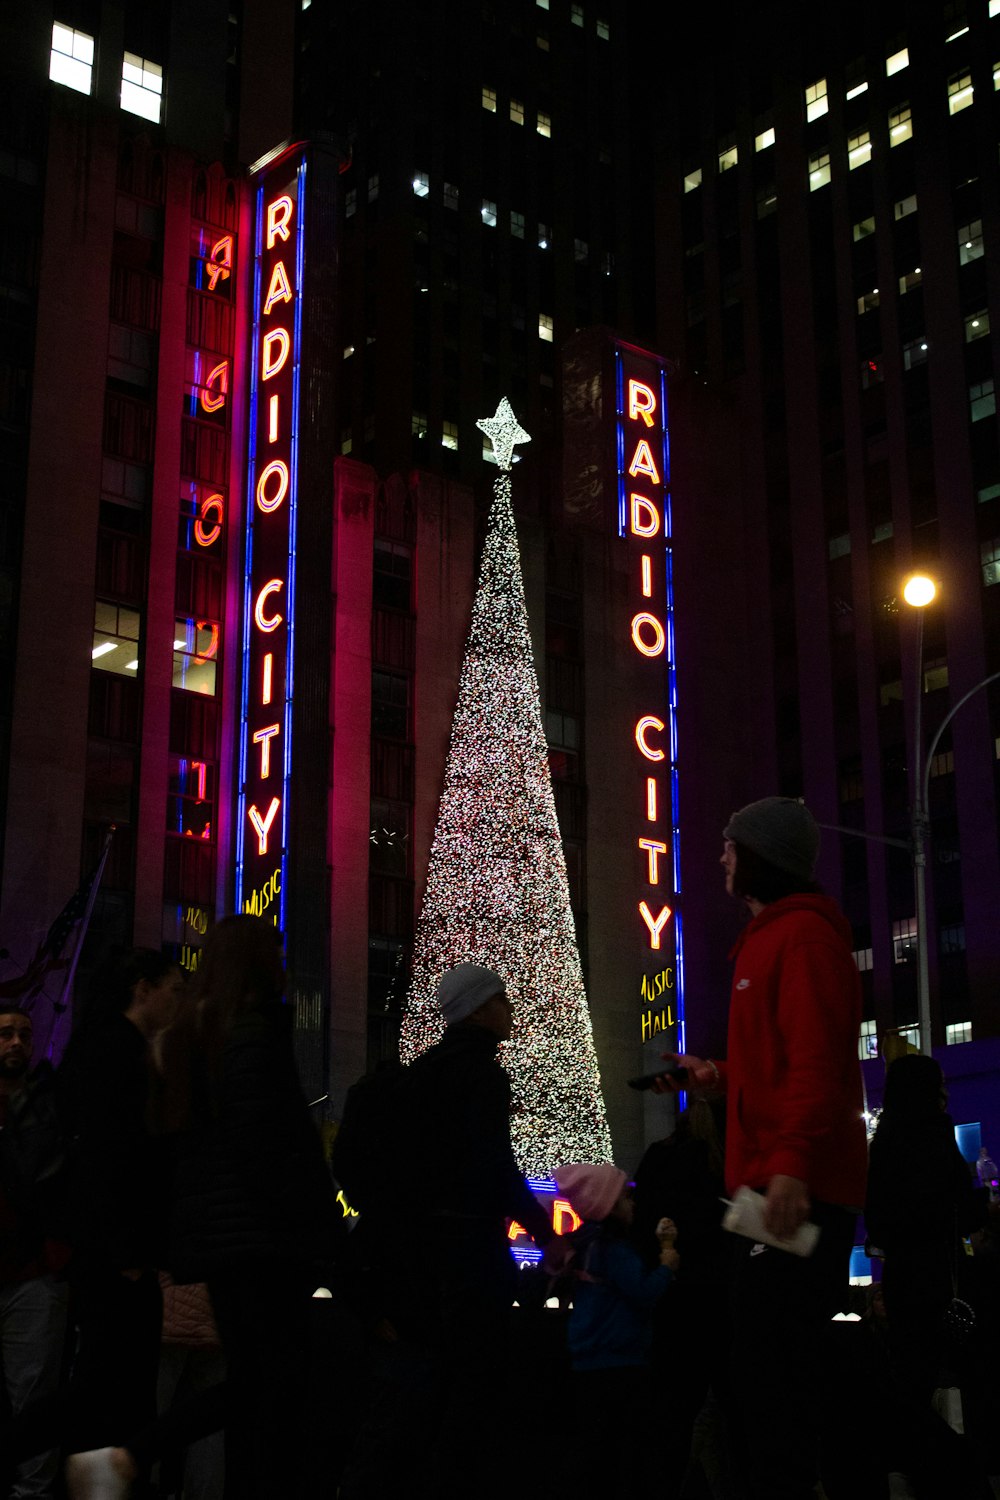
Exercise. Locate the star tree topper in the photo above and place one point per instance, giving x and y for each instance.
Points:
(503, 431)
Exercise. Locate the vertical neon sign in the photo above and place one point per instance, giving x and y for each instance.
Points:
(645, 523)
(271, 510)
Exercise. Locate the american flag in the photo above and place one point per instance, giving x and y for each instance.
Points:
(50, 973)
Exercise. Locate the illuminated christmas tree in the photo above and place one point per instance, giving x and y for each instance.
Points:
(497, 892)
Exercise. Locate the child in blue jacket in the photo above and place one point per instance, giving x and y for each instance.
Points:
(611, 1323)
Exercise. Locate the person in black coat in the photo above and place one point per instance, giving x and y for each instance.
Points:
(921, 1202)
(254, 1211)
(117, 1196)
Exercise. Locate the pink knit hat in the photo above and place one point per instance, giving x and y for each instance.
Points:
(592, 1189)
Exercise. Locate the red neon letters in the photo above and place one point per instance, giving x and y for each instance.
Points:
(644, 520)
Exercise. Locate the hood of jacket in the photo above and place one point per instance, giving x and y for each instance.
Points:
(818, 904)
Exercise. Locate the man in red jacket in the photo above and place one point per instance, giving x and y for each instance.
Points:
(794, 1133)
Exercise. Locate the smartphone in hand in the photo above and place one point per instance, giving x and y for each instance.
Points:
(666, 1070)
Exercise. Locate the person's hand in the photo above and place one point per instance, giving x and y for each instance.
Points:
(702, 1076)
(666, 1232)
(669, 1257)
(786, 1205)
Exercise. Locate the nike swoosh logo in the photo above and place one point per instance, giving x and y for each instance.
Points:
(743, 984)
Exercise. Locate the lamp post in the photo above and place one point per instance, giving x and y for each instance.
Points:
(919, 591)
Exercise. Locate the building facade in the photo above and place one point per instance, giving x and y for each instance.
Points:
(828, 220)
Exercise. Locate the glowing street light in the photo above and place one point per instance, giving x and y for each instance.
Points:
(919, 590)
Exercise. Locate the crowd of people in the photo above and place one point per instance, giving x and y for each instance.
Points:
(187, 1310)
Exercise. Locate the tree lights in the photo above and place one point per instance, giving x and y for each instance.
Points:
(497, 892)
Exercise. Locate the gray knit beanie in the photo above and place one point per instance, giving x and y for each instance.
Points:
(464, 989)
(781, 830)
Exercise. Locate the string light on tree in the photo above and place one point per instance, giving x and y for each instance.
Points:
(497, 892)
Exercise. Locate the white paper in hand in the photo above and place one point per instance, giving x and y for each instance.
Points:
(745, 1216)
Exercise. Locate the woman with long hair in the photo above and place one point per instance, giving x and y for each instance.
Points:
(254, 1209)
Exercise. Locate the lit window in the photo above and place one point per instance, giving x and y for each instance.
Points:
(692, 180)
(142, 87)
(951, 939)
(958, 1031)
(989, 554)
(977, 326)
(544, 237)
(449, 435)
(517, 111)
(351, 203)
(542, 42)
(897, 62)
(954, 36)
(545, 328)
(904, 940)
(728, 156)
(903, 207)
(418, 424)
(765, 139)
(994, 8)
(982, 401)
(488, 213)
(348, 350)
(909, 1034)
(915, 353)
(542, 4)
(863, 959)
(603, 30)
(936, 676)
(988, 492)
(767, 200)
(819, 170)
(450, 195)
(868, 300)
(346, 441)
(71, 61)
(943, 764)
(839, 546)
(871, 374)
(890, 692)
(970, 241)
(544, 125)
(959, 92)
(579, 250)
(910, 279)
(115, 645)
(421, 184)
(196, 651)
(857, 90)
(863, 228)
(517, 224)
(859, 149)
(576, 14)
(868, 1038)
(490, 100)
(996, 76)
(882, 532)
(817, 102)
(900, 124)
(373, 188)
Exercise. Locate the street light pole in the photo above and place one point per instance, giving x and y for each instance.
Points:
(918, 592)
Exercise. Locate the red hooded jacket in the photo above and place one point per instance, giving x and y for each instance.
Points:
(793, 1078)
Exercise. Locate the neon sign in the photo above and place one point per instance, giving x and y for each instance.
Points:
(644, 522)
(271, 512)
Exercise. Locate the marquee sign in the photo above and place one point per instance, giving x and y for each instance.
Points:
(271, 508)
(644, 522)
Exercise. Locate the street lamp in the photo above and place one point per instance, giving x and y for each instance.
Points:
(919, 591)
